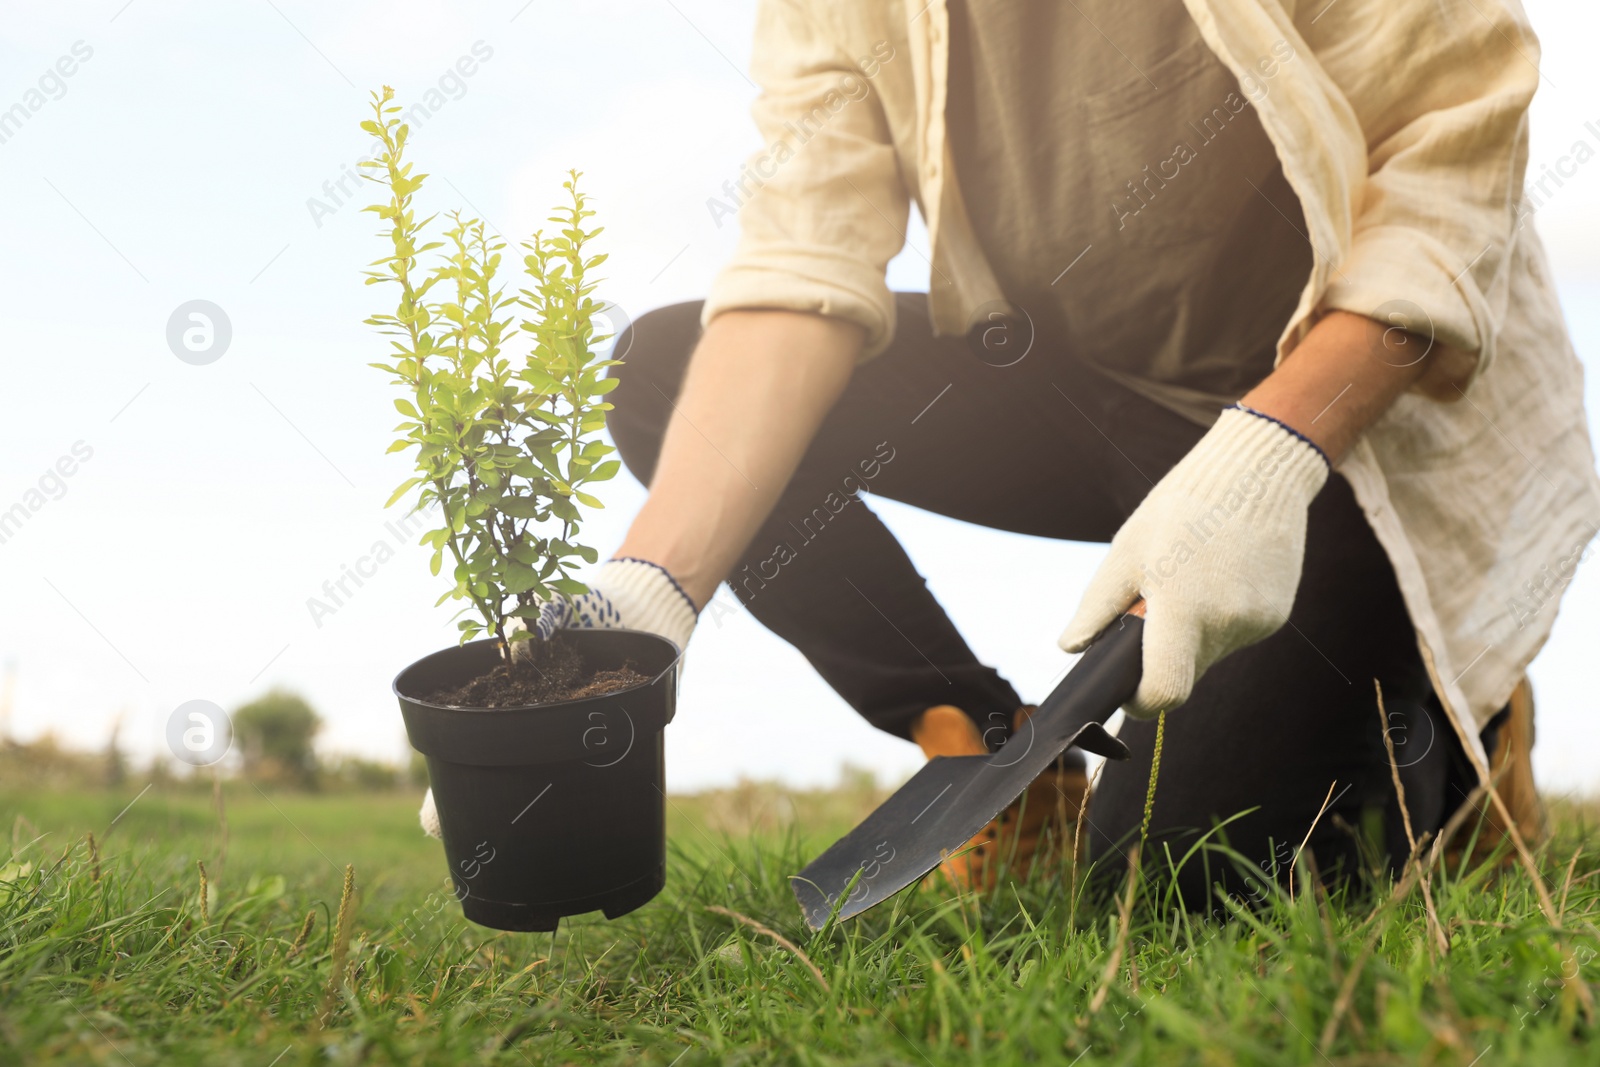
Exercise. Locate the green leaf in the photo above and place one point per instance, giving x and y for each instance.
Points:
(521, 507)
(405, 487)
(520, 578)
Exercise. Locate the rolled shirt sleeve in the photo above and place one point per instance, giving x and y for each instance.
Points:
(1447, 144)
(821, 207)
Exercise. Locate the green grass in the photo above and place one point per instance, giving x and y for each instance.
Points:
(125, 970)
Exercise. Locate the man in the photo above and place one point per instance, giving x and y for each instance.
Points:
(1237, 285)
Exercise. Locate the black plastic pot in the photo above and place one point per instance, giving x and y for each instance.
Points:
(554, 809)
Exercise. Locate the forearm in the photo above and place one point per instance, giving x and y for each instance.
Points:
(1345, 374)
(758, 386)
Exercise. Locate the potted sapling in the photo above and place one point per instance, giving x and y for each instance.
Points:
(544, 755)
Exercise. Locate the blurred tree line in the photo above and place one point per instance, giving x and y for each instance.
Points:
(274, 743)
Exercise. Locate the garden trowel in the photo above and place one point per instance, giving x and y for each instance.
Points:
(943, 805)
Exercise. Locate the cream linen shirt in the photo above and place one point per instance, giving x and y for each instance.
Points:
(1401, 126)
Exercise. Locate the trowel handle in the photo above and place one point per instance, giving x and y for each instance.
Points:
(1103, 680)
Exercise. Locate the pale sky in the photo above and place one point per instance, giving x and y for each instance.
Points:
(178, 161)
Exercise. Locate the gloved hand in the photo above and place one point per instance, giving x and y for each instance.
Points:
(628, 594)
(1215, 550)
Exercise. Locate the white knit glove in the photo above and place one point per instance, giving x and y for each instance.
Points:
(625, 594)
(1215, 550)
(631, 594)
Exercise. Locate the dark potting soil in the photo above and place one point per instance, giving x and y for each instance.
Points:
(552, 670)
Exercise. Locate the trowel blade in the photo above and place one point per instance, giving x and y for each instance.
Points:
(943, 805)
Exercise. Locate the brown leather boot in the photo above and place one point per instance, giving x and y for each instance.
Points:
(1511, 768)
(945, 730)
(1047, 811)
(1043, 821)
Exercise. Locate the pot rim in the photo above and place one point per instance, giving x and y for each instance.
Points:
(400, 694)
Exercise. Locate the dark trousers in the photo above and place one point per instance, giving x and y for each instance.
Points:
(1047, 446)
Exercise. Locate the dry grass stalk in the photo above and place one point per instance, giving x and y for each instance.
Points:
(205, 894)
(1402, 889)
(305, 933)
(1347, 990)
(341, 945)
(1566, 885)
(1309, 831)
(1319, 895)
(1579, 988)
(1547, 904)
(1077, 844)
(1525, 855)
(1435, 927)
(761, 928)
(1124, 918)
(1125, 907)
(94, 857)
